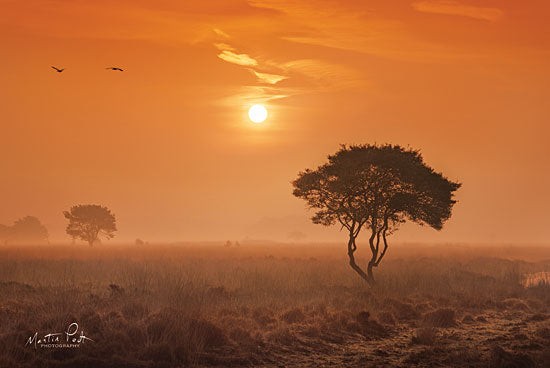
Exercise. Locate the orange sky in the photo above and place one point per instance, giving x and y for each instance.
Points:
(167, 144)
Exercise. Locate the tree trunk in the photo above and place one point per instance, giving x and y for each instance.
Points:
(369, 273)
(369, 278)
(91, 242)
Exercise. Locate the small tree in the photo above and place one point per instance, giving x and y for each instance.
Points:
(28, 229)
(4, 233)
(377, 188)
(88, 221)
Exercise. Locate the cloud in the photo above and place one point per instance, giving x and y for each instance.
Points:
(224, 46)
(219, 32)
(448, 7)
(229, 54)
(239, 59)
(325, 76)
(379, 29)
(268, 78)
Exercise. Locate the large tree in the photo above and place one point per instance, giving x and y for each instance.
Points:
(376, 187)
(88, 221)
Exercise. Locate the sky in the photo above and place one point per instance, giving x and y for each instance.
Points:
(167, 144)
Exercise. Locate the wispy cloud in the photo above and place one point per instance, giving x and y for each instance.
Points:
(375, 30)
(268, 78)
(448, 7)
(229, 54)
(323, 75)
(239, 59)
(219, 32)
(223, 47)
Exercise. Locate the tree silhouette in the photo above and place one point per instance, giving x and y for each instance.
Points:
(376, 188)
(28, 229)
(4, 233)
(88, 221)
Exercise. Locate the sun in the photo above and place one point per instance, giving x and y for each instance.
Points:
(257, 113)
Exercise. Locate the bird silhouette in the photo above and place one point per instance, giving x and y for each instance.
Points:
(115, 68)
(57, 69)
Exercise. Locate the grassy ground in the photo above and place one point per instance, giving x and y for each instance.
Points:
(274, 305)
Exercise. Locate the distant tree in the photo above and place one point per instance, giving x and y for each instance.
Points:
(88, 221)
(4, 233)
(28, 230)
(376, 188)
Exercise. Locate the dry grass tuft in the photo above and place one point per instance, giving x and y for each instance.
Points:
(444, 318)
(402, 311)
(387, 318)
(134, 310)
(504, 359)
(294, 316)
(283, 335)
(370, 328)
(481, 319)
(263, 316)
(425, 336)
(514, 304)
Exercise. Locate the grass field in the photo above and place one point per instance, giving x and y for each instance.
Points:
(275, 306)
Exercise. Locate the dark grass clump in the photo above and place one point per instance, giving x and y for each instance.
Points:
(369, 327)
(537, 317)
(134, 310)
(263, 316)
(444, 318)
(514, 304)
(424, 336)
(481, 319)
(403, 311)
(282, 335)
(387, 318)
(294, 316)
(241, 336)
(504, 359)
(208, 333)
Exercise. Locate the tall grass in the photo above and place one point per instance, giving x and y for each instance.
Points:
(174, 303)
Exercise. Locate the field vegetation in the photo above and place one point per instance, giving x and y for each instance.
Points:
(275, 305)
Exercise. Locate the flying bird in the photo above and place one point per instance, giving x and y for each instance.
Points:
(57, 69)
(115, 68)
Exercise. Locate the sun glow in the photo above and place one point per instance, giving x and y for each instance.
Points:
(257, 113)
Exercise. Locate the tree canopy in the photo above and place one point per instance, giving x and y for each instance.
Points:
(377, 188)
(87, 222)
